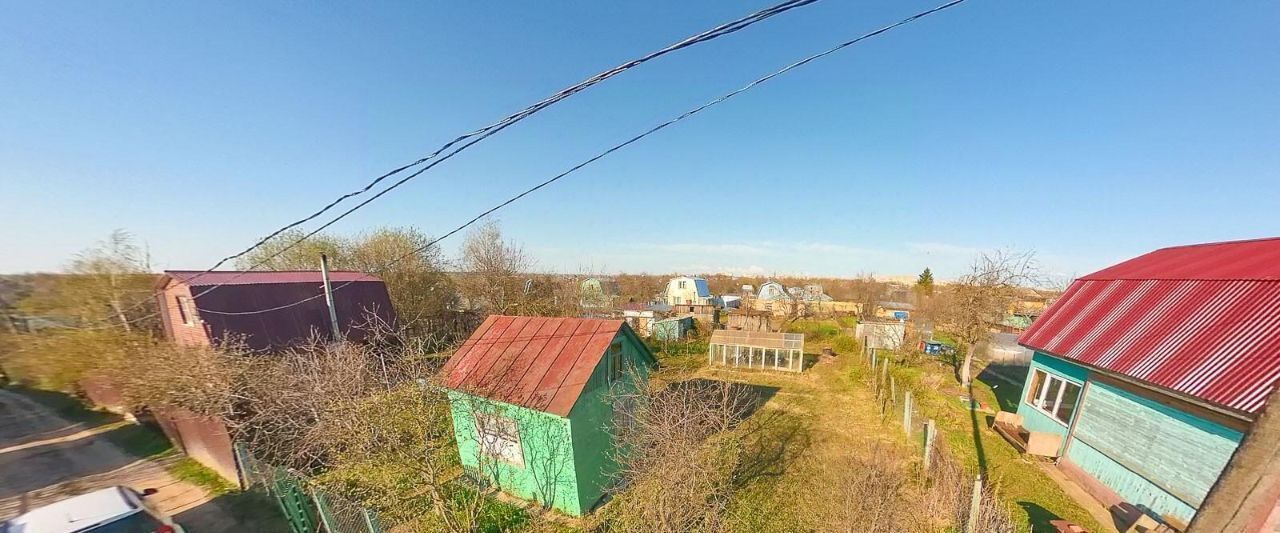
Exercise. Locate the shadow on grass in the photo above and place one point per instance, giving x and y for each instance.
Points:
(1006, 383)
(235, 512)
(1038, 517)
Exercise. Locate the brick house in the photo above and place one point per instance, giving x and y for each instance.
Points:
(268, 310)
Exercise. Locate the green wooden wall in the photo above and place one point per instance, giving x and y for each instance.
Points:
(548, 468)
(592, 422)
(571, 458)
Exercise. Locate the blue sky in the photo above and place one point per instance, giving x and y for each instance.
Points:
(1087, 131)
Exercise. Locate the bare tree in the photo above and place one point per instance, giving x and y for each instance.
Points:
(677, 458)
(982, 296)
(405, 258)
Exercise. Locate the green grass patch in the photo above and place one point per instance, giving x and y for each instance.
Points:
(847, 321)
(140, 440)
(846, 345)
(191, 471)
(815, 330)
(1020, 482)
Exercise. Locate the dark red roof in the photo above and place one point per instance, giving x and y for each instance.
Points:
(1202, 320)
(537, 362)
(198, 278)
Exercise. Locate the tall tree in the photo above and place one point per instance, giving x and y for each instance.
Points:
(497, 278)
(982, 296)
(412, 269)
(924, 283)
(110, 282)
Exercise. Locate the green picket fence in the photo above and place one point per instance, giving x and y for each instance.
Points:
(306, 507)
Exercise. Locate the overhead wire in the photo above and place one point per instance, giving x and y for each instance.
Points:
(480, 134)
(628, 142)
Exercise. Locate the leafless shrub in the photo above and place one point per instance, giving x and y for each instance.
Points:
(677, 456)
(864, 492)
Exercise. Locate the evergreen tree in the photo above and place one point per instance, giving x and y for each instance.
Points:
(924, 283)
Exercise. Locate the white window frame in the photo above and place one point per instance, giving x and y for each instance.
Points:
(186, 310)
(1050, 410)
(499, 438)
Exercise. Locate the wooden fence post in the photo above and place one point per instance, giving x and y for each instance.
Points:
(893, 391)
(906, 413)
(975, 506)
(929, 435)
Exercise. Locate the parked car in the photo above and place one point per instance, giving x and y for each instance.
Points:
(111, 510)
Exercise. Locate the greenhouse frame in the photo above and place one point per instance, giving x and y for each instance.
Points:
(759, 350)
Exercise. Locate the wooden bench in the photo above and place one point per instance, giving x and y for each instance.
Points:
(1009, 426)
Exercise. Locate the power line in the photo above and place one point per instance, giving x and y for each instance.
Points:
(624, 144)
(480, 134)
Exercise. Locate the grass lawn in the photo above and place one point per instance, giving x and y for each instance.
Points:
(1020, 480)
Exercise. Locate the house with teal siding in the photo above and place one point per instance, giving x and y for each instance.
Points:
(533, 404)
(1153, 370)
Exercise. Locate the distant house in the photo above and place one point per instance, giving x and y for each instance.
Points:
(772, 291)
(1152, 370)
(532, 409)
(686, 290)
(266, 310)
(598, 293)
(894, 310)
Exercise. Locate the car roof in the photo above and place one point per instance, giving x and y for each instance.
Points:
(76, 513)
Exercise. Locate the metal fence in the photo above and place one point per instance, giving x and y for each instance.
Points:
(306, 507)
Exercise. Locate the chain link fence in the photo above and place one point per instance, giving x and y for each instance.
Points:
(305, 506)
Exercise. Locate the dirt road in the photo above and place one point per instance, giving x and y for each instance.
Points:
(44, 458)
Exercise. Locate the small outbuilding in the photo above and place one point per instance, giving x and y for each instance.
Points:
(532, 406)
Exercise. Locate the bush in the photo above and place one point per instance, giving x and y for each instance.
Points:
(814, 330)
(844, 344)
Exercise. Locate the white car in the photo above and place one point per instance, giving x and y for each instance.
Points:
(111, 510)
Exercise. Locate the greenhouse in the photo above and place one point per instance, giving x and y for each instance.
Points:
(754, 349)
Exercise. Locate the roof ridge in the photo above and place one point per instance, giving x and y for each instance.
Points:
(1217, 243)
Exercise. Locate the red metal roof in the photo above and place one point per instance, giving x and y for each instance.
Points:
(198, 278)
(537, 362)
(1203, 320)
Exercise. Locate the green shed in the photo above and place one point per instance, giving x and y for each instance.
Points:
(532, 404)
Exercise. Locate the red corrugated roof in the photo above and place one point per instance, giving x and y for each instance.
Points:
(1203, 320)
(537, 362)
(198, 278)
(1257, 260)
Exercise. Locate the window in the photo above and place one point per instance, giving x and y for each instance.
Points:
(1053, 395)
(615, 362)
(680, 284)
(187, 310)
(499, 437)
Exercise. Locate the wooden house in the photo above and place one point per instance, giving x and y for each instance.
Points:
(533, 409)
(1152, 370)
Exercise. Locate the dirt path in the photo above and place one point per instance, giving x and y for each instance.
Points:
(44, 458)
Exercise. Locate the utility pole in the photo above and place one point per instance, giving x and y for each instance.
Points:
(328, 297)
(1245, 495)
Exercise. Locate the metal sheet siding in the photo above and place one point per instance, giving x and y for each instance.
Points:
(1202, 327)
(535, 362)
